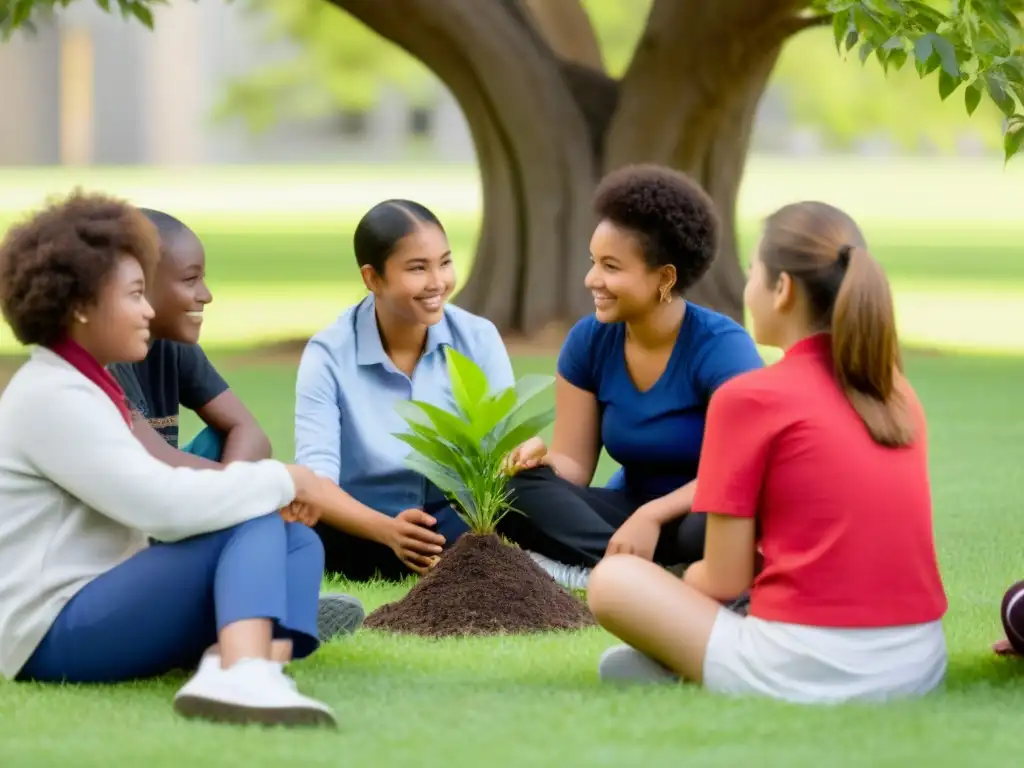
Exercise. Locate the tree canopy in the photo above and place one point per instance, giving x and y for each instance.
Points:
(971, 46)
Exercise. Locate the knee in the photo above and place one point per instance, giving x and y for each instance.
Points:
(608, 585)
(302, 538)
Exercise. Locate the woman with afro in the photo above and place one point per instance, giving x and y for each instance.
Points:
(634, 379)
(228, 588)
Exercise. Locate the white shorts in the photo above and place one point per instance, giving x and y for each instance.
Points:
(822, 665)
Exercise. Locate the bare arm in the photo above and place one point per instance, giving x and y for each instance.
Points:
(576, 444)
(672, 505)
(727, 569)
(244, 439)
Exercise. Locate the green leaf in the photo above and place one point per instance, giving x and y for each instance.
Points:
(947, 84)
(947, 55)
(865, 51)
(449, 427)
(435, 451)
(924, 52)
(997, 90)
(972, 97)
(522, 432)
(897, 59)
(1014, 139)
(840, 26)
(448, 483)
(851, 38)
(142, 13)
(469, 385)
(493, 411)
(22, 10)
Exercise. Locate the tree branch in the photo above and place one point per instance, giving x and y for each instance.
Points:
(567, 28)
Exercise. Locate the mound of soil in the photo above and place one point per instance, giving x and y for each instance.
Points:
(481, 586)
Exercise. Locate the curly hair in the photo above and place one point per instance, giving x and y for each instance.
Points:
(673, 219)
(58, 259)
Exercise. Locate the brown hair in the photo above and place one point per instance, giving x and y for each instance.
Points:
(59, 259)
(822, 249)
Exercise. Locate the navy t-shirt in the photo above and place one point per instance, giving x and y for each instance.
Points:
(172, 375)
(656, 436)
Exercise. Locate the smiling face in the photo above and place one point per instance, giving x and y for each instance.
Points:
(179, 293)
(418, 277)
(115, 329)
(624, 286)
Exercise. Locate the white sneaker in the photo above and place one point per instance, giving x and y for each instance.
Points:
(568, 576)
(251, 691)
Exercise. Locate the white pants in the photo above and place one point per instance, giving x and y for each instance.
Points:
(822, 665)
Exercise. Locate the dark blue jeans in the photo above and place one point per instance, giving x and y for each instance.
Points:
(161, 609)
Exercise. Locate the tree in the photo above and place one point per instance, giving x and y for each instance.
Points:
(548, 120)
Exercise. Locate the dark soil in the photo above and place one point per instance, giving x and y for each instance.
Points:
(482, 586)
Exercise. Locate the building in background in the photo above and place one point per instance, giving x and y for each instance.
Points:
(91, 88)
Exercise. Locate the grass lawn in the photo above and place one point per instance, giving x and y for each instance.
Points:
(536, 701)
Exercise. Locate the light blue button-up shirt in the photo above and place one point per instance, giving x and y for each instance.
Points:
(346, 393)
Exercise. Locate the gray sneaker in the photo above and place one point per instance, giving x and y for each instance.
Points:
(625, 664)
(568, 576)
(338, 615)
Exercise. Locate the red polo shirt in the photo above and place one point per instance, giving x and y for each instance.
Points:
(845, 525)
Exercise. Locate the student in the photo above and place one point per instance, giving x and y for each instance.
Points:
(634, 378)
(388, 348)
(821, 461)
(176, 373)
(84, 596)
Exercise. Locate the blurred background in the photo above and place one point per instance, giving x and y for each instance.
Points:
(270, 125)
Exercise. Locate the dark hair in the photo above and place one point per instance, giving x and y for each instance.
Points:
(383, 226)
(168, 226)
(823, 250)
(58, 260)
(673, 219)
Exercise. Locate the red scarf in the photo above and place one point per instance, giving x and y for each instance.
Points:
(89, 366)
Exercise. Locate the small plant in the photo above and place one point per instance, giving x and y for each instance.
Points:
(463, 453)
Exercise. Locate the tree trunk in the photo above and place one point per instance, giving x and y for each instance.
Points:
(546, 129)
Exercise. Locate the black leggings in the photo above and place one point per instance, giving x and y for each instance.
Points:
(573, 524)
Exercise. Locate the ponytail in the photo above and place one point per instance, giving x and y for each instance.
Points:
(865, 349)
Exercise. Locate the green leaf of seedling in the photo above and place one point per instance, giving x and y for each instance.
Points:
(438, 452)
(522, 432)
(493, 411)
(445, 480)
(469, 384)
(528, 389)
(447, 426)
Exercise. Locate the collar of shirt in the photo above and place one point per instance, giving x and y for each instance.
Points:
(370, 349)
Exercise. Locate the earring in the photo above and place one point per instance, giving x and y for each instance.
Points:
(80, 318)
(666, 294)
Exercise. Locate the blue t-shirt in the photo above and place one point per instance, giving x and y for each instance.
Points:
(656, 436)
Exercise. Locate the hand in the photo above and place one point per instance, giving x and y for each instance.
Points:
(1003, 648)
(638, 536)
(528, 455)
(413, 542)
(297, 512)
(307, 483)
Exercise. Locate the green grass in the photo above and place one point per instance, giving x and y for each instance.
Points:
(536, 701)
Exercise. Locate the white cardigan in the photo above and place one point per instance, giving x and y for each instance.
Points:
(80, 495)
